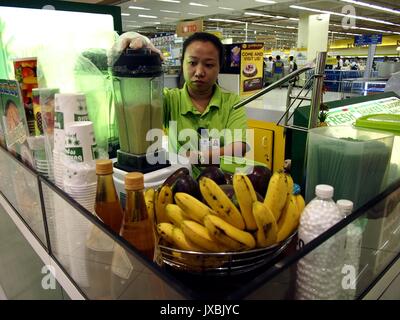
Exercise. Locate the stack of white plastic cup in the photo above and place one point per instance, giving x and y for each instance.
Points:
(69, 107)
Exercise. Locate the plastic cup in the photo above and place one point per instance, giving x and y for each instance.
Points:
(80, 142)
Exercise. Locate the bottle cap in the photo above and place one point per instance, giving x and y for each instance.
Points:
(346, 206)
(324, 191)
(134, 181)
(104, 166)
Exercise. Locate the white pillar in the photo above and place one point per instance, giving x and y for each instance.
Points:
(313, 34)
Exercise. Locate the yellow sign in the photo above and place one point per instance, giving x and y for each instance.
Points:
(186, 28)
(251, 68)
(216, 33)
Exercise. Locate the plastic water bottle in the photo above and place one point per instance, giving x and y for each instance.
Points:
(319, 273)
(352, 249)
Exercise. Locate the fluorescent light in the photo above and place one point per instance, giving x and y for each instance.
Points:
(172, 1)
(146, 16)
(294, 19)
(281, 17)
(225, 20)
(125, 14)
(372, 6)
(194, 14)
(131, 26)
(256, 14)
(168, 18)
(265, 1)
(138, 8)
(197, 4)
(170, 11)
(344, 15)
(225, 8)
(152, 22)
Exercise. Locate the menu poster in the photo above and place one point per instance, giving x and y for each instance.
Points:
(251, 68)
(13, 120)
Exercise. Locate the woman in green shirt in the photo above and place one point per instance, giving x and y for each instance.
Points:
(201, 104)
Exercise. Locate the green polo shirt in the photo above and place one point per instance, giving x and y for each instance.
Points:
(181, 114)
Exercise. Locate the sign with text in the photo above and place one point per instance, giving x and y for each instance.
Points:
(186, 28)
(251, 68)
(349, 114)
(367, 39)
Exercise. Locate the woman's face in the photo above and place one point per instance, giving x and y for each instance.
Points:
(201, 66)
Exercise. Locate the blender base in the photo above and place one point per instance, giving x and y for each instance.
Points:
(132, 162)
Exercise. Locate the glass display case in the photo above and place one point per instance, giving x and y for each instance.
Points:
(70, 235)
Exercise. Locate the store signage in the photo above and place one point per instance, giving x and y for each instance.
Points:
(251, 68)
(367, 39)
(186, 28)
(270, 38)
(349, 114)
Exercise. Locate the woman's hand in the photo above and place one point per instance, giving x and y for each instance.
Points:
(131, 40)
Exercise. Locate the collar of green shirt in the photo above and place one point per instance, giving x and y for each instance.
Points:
(187, 104)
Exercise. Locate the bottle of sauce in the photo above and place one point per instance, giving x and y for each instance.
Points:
(137, 227)
(107, 206)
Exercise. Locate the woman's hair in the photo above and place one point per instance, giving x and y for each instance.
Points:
(206, 37)
(9, 103)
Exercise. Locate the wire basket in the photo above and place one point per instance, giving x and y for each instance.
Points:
(220, 263)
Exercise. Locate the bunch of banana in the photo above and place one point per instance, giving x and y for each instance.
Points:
(149, 199)
(161, 198)
(220, 203)
(245, 195)
(280, 187)
(220, 226)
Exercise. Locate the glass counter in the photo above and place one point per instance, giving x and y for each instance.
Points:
(104, 266)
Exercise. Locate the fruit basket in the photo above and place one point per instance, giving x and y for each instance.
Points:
(221, 263)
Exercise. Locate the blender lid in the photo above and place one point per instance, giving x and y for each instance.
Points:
(139, 63)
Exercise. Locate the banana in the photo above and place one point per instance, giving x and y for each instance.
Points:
(219, 236)
(182, 242)
(245, 195)
(164, 197)
(199, 235)
(243, 237)
(165, 230)
(149, 199)
(277, 193)
(289, 220)
(267, 228)
(193, 208)
(175, 214)
(220, 203)
(300, 203)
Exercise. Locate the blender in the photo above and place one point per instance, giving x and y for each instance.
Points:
(138, 85)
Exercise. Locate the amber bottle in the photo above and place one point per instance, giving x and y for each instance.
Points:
(137, 227)
(107, 206)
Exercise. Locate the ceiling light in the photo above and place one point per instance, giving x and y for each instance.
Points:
(146, 16)
(372, 6)
(265, 1)
(256, 14)
(152, 22)
(225, 8)
(194, 14)
(173, 1)
(138, 8)
(225, 20)
(131, 26)
(280, 17)
(170, 11)
(125, 14)
(294, 19)
(344, 15)
(197, 4)
(168, 18)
